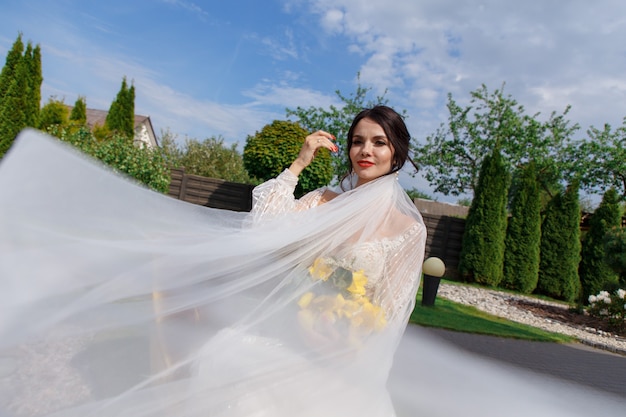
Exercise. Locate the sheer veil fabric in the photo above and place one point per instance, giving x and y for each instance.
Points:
(118, 301)
(148, 306)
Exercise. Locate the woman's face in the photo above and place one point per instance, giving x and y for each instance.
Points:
(371, 154)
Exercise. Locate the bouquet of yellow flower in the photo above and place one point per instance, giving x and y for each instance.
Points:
(343, 311)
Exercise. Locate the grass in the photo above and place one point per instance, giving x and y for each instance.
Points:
(449, 315)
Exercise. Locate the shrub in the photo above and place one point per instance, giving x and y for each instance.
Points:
(143, 164)
(609, 307)
(276, 146)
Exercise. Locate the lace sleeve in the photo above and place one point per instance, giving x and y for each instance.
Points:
(402, 274)
(275, 197)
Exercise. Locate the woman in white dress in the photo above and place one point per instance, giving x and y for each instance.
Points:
(119, 301)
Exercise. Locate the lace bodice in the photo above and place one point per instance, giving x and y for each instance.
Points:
(370, 256)
(376, 257)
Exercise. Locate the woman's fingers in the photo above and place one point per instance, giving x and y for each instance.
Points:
(311, 145)
(321, 139)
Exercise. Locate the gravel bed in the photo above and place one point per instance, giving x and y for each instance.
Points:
(499, 304)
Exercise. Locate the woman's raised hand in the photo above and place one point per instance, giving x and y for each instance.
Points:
(311, 145)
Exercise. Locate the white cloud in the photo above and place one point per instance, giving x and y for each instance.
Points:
(280, 49)
(549, 54)
(285, 95)
(332, 21)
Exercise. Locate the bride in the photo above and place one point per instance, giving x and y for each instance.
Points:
(118, 301)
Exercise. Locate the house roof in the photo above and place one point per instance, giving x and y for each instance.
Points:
(98, 117)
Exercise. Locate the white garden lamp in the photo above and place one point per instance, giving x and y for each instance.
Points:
(433, 269)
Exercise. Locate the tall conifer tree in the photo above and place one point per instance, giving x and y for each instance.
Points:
(482, 251)
(523, 234)
(121, 116)
(35, 78)
(560, 246)
(594, 271)
(10, 67)
(79, 111)
(13, 110)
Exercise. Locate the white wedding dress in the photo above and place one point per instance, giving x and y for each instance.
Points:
(116, 301)
(313, 386)
(148, 306)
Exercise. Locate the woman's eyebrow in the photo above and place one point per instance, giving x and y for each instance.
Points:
(356, 135)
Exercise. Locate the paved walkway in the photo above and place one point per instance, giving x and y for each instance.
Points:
(573, 362)
(445, 373)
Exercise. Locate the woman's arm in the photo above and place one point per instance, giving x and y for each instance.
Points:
(275, 197)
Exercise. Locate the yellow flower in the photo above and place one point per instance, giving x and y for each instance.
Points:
(358, 283)
(339, 302)
(350, 307)
(305, 300)
(320, 269)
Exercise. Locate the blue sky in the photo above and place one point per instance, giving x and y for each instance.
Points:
(227, 68)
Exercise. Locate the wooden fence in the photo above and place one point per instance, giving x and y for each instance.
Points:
(444, 232)
(210, 192)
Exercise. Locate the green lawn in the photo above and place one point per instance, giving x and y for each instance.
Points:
(449, 315)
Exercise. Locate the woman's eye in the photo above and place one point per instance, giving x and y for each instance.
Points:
(357, 141)
(381, 143)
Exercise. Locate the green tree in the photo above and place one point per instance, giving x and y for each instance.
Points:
(560, 246)
(337, 120)
(482, 250)
(79, 111)
(9, 69)
(452, 156)
(523, 234)
(35, 78)
(595, 273)
(121, 116)
(13, 116)
(20, 92)
(599, 161)
(275, 147)
(209, 158)
(53, 113)
(615, 252)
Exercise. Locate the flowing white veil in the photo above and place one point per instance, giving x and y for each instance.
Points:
(150, 306)
(118, 301)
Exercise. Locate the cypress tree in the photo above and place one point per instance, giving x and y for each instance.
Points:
(523, 236)
(560, 246)
(79, 111)
(35, 78)
(482, 251)
(121, 116)
(10, 67)
(595, 273)
(129, 107)
(13, 110)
